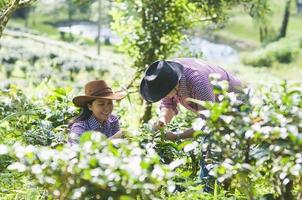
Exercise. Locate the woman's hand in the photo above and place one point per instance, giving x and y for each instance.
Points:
(119, 134)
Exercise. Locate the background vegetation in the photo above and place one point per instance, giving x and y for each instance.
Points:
(256, 144)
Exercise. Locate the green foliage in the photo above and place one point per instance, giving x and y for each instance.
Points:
(42, 122)
(15, 185)
(257, 135)
(183, 154)
(254, 141)
(96, 168)
(283, 51)
(151, 30)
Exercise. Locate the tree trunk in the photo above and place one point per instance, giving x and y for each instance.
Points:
(99, 27)
(70, 19)
(7, 12)
(299, 6)
(261, 34)
(147, 112)
(285, 20)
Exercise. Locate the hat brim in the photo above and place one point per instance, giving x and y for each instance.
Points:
(81, 101)
(152, 97)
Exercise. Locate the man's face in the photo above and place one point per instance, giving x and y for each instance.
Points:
(173, 92)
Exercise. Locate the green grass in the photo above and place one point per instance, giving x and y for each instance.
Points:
(243, 27)
(37, 27)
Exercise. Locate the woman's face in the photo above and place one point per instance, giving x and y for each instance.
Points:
(101, 109)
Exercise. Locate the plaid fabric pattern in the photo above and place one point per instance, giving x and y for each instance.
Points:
(195, 84)
(109, 128)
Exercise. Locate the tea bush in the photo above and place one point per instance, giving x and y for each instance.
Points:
(283, 51)
(254, 140)
(254, 135)
(95, 168)
(35, 121)
(17, 60)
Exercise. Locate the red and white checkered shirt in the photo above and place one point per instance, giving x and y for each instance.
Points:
(195, 83)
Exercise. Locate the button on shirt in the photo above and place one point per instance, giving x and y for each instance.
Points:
(109, 128)
(195, 83)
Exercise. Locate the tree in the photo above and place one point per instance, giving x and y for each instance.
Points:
(260, 12)
(299, 6)
(285, 20)
(7, 8)
(153, 29)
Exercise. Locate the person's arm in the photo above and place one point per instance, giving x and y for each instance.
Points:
(119, 134)
(181, 135)
(116, 128)
(168, 109)
(166, 115)
(76, 130)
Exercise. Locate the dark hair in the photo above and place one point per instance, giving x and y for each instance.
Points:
(84, 115)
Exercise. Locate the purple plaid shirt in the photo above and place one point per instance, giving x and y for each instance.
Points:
(195, 84)
(109, 128)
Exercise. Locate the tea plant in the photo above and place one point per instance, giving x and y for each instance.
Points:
(41, 121)
(255, 135)
(19, 61)
(95, 168)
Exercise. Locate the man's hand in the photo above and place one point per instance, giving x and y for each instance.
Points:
(171, 136)
(158, 125)
(180, 135)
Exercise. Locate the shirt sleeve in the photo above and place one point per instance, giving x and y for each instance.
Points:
(170, 104)
(76, 131)
(115, 125)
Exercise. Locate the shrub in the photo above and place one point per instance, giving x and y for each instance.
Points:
(41, 121)
(258, 58)
(260, 135)
(282, 51)
(96, 168)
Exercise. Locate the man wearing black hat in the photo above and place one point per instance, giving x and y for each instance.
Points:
(173, 82)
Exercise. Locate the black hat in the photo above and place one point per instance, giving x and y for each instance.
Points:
(160, 79)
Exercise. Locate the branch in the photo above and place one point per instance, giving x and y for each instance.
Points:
(137, 75)
(25, 3)
(206, 19)
(9, 9)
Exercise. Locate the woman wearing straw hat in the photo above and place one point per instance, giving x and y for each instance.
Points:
(96, 113)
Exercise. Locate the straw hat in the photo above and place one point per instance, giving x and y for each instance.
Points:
(97, 90)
